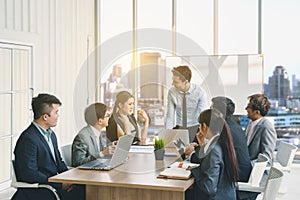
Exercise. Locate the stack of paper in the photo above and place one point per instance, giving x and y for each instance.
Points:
(141, 149)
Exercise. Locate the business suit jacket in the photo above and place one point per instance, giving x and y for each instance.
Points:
(211, 181)
(241, 150)
(240, 147)
(34, 162)
(242, 156)
(262, 140)
(84, 147)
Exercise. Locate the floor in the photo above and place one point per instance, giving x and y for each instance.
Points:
(7, 194)
(292, 182)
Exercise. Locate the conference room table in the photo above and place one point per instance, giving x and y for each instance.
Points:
(135, 179)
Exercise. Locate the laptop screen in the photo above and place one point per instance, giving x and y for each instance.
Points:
(180, 146)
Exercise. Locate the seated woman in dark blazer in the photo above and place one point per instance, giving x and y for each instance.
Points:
(218, 171)
(122, 122)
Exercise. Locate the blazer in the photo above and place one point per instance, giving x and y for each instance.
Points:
(240, 147)
(84, 147)
(34, 162)
(262, 140)
(210, 177)
(242, 156)
(241, 150)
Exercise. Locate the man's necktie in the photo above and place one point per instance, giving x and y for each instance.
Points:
(250, 132)
(100, 144)
(184, 116)
(102, 141)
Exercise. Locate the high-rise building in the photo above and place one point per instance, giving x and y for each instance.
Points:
(295, 87)
(153, 76)
(113, 85)
(279, 85)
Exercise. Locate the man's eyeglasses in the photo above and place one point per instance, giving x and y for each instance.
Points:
(107, 115)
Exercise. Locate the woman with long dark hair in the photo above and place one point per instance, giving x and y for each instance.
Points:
(218, 171)
(123, 122)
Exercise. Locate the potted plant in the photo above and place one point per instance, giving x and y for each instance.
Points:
(159, 148)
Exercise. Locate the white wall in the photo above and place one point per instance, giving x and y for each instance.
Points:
(62, 35)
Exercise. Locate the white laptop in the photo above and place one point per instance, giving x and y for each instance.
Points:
(169, 135)
(119, 157)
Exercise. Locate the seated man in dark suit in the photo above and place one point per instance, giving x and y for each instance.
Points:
(37, 156)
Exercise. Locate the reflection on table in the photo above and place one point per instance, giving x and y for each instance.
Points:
(135, 179)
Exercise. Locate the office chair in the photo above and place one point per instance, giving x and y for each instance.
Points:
(273, 183)
(285, 155)
(284, 158)
(17, 184)
(272, 186)
(66, 154)
(256, 174)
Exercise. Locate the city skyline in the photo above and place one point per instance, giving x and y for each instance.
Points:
(266, 79)
(280, 47)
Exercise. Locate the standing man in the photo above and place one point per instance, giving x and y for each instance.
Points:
(185, 101)
(37, 156)
(260, 133)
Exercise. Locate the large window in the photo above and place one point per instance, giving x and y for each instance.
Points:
(15, 97)
(238, 27)
(146, 38)
(140, 36)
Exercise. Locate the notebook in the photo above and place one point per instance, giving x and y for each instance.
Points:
(175, 173)
(119, 157)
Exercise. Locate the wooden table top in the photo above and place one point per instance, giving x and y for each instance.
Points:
(140, 171)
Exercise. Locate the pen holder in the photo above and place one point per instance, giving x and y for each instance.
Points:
(159, 154)
(159, 148)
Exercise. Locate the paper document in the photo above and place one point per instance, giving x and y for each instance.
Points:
(141, 149)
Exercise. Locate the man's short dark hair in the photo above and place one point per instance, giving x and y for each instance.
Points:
(224, 105)
(94, 112)
(183, 72)
(260, 102)
(42, 104)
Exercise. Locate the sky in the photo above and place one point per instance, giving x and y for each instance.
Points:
(281, 36)
(238, 29)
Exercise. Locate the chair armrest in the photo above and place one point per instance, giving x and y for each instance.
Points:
(284, 169)
(24, 185)
(49, 187)
(241, 186)
(35, 185)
